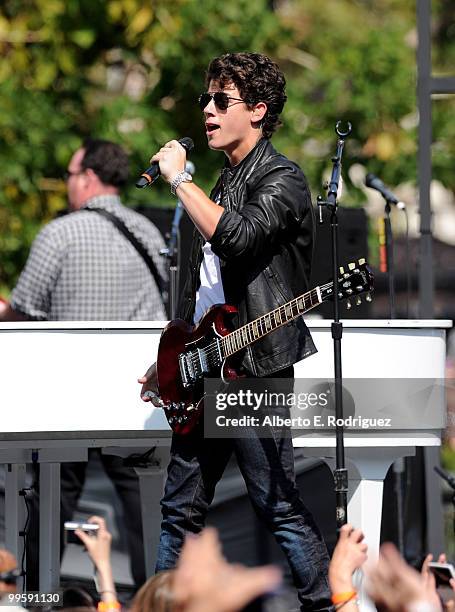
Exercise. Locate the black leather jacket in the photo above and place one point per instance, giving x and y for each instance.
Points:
(264, 240)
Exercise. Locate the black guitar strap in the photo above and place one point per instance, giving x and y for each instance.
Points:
(135, 242)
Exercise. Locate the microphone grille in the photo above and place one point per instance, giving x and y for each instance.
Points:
(190, 167)
(186, 143)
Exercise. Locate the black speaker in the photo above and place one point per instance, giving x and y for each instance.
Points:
(352, 245)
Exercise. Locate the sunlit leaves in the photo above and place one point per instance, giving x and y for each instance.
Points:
(131, 70)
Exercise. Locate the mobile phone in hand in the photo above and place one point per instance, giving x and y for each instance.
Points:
(443, 572)
(70, 528)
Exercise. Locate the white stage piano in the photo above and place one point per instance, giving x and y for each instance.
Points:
(67, 387)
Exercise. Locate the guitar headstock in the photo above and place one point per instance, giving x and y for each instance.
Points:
(354, 279)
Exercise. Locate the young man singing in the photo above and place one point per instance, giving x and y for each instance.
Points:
(252, 249)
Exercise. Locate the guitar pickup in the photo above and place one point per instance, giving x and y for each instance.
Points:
(202, 355)
(186, 370)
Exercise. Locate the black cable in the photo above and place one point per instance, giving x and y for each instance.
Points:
(33, 489)
(23, 534)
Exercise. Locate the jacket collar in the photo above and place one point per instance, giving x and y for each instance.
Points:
(250, 158)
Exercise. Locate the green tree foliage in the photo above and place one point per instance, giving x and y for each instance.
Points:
(131, 70)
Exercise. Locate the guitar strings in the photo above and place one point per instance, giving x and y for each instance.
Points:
(212, 348)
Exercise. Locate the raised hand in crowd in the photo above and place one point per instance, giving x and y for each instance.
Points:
(205, 582)
(349, 555)
(398, 587)
(447, 594)
(99, 550)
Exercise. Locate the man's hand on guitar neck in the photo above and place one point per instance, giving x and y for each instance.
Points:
(149, 391)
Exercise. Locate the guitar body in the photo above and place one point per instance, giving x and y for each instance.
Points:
(181, 385)
(188, 354)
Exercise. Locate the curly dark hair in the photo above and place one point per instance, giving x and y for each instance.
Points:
(107, 160)
(257, 78)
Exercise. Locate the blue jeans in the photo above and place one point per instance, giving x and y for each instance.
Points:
(267, 466)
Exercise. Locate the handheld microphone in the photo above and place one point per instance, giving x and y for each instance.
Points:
(375, 183)
(150, 175)
(190, 167)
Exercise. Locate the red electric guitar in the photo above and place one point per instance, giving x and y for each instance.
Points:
(187, 354)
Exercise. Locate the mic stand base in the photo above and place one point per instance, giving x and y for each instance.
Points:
(340, 477)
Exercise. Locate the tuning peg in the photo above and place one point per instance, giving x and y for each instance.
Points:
(361, 261)
(351, 266)
(359, 288)
(358, 300)
(368, 297)
(341, 270)
(349, 291)
(346, 275)
(348, 304)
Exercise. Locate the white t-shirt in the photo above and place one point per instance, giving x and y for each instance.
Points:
(211, 288)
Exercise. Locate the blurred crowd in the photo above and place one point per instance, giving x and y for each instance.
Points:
(203, 581)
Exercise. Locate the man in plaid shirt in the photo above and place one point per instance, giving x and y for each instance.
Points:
(81, 267)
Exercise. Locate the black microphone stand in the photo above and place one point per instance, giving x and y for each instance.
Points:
(398, 465)
(389, 258)
(172, 254)
(451, 482)
(340, 473)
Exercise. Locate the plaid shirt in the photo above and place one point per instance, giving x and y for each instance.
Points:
(81, 268)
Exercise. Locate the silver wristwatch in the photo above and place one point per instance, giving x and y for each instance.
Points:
(181, 177)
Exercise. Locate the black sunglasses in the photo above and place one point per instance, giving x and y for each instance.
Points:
(10, 577)
(220, 98)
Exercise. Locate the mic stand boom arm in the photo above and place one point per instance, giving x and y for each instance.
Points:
(340, 473)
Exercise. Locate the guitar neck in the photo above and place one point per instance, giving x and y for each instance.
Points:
(260, 327)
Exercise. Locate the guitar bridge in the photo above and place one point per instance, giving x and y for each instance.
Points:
(193, 366)
(199, 362)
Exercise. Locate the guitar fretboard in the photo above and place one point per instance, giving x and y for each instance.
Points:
(249, 333)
